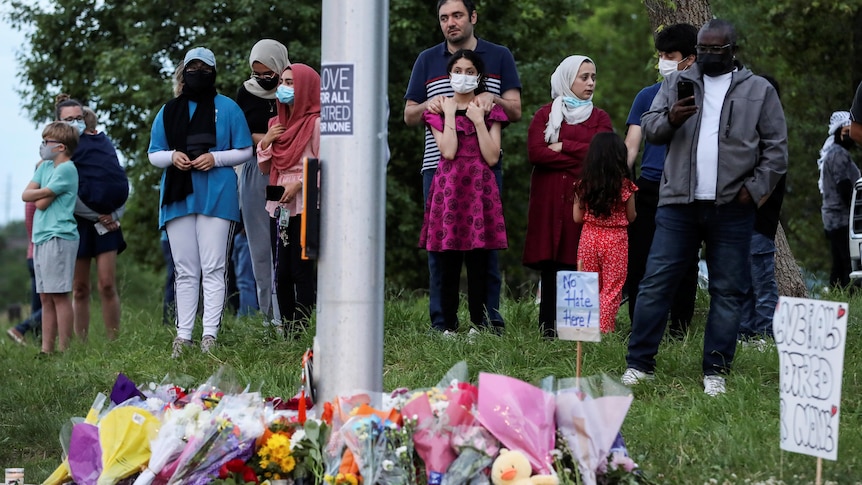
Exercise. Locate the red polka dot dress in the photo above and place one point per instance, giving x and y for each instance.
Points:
(603, 249)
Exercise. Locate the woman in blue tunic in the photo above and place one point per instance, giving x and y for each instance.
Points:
(198, 137)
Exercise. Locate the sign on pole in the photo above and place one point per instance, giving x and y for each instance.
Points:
(336, 99)
(810, 335)
(578, 306)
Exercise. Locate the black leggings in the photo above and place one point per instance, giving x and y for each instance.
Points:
(295, 278)
(476, 261)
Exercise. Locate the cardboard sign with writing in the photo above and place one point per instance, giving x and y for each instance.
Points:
(810, 335)
(578, 306)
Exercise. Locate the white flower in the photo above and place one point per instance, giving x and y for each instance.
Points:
(439, 407)
(400, 451)
(296, 439)
(388, 465)
(556, 454)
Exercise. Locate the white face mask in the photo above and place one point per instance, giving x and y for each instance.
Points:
(667, 67)
(463, 84)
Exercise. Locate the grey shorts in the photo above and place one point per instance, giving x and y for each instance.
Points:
(54, 265)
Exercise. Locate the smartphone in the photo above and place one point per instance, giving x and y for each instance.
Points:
(684, 89)
(274, 192)
(101, 229)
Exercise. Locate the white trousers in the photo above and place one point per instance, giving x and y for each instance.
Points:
(199, 245)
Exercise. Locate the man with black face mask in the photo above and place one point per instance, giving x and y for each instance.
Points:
(726, 150)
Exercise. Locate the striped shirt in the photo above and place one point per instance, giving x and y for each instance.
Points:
(430, 78)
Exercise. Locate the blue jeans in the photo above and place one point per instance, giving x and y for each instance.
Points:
(35, 320)
(761, 300)
(726, 229)
(242, 269)
(435, 283)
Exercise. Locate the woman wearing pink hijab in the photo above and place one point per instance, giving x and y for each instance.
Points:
(292, 135)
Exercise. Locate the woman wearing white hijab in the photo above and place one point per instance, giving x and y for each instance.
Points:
(557, 143)
(256, 97)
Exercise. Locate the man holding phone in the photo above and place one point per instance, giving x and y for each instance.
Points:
(726, 151)
(675, 46)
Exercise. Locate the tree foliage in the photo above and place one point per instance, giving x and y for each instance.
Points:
(808, 48)
(119, 57)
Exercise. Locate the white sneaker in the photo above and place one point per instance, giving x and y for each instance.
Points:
(714, 385)
(632, 376)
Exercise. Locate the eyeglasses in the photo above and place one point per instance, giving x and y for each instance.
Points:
(73, 118)
(263, 75)
(45, 142)
(712, 49)
(203, 69)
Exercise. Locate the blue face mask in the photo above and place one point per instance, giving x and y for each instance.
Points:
(576, 102)
(78, 125)
(284, 94)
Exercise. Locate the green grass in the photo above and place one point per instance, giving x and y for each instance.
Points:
(674, 432)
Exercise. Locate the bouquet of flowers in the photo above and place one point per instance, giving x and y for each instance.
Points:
(397, 461)
(236, 472)
(307, 444)
(230, 433)
(476, 448)
(520, 415)
(438, 412)
(589, 413)
(273, 458)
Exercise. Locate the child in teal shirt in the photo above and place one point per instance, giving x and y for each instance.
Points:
(54, 190)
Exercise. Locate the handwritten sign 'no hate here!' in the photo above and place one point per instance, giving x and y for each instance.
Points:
(578, 306)
(810, 336)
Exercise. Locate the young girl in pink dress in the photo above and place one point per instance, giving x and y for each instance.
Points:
(605, 204)
(464, 213)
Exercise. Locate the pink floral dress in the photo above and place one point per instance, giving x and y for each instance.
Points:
(463, 210)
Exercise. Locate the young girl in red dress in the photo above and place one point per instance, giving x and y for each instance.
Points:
(605, 204)
(463, 213)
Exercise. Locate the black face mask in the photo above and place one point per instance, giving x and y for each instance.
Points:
(199, 80)
(268, 84)
(844, 141)
(715, 64)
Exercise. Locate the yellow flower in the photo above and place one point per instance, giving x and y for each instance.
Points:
(276, 451)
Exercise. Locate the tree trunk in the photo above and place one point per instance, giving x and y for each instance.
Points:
(698, 12)
(787, 273)
(668, 12)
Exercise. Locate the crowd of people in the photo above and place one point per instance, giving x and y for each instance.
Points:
(711, 138)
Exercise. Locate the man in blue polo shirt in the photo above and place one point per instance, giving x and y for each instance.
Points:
(428, 87)
(675, 46)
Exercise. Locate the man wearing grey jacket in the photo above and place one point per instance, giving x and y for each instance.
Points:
(726, 150)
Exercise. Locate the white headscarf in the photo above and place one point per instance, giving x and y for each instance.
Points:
(838, 120)
(561, 86)
(272, 54)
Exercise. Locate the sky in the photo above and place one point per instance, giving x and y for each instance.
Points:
(19, 136)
